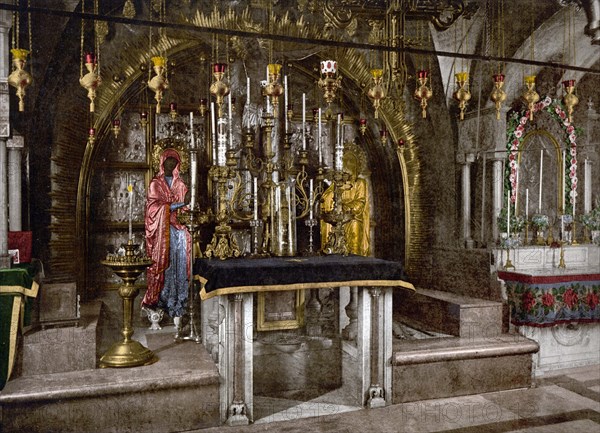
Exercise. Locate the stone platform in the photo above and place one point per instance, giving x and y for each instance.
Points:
(179, 392)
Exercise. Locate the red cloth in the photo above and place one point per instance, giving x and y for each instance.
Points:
(158, 219)
(21, 241)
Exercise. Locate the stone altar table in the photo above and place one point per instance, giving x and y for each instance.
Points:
(559, 309)
(235, 281)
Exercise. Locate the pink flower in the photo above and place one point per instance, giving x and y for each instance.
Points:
(518, 133)
(592, 300)
(523, 120)
(547, 100)
(557, 110)
(547, 300)
(566, 122)
(570, 129)
(570, 298)
(511, 157)
(574, 181)
(515, 143)
(572, 138)
(562, 115)
(528, 300)
(573, 151)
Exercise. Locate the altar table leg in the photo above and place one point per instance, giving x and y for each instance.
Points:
(375, 345)
(235, 361)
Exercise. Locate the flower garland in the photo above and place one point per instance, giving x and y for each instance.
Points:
(515, 132)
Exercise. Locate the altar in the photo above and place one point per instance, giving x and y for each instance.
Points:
(229, 323)
(555, 306)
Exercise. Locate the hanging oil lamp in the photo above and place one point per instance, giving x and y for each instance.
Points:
(159, 83)
(530, 96)
(377, 92)
(92, 80)
(329, 82)
(462, 94)
(116, 127)
(570, 99)
(362, 125)
(19, 77)
(274, 89)
(423, 93)
(498, 96)
(92, 135)
(218, 88)
(203, 107)
(144, 119)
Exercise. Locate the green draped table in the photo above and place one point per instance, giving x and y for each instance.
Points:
(16, 286)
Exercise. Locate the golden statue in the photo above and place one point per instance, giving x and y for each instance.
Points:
(355, 198)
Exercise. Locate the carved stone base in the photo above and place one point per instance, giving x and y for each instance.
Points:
(237, 415)
(376, 397)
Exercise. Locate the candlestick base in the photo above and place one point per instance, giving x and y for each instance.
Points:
(561, 263)
(310, 223)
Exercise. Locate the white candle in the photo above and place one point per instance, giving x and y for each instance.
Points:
(541, 182)
(193, 180)
(508, 215)
(310, 198)
(304, 121)
(527, 203)
(247, 91)
(230, 123)
(562, 182)
(285, 101)
(214, 133)
(337, 151)
(587, 198)
(130, 191)
(319, 141)
(192, 138)
(517, 190)
(255, 191)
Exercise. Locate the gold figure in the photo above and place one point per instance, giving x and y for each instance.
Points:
(530, 96)
(159, 83)
(19, 78)
(462, 94)
(570, 99)
(355, 199)
(498, 95)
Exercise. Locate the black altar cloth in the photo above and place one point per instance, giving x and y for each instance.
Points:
(220, 277)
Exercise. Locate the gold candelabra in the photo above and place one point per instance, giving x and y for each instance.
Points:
(530, 96)
(377, 92)
(570, 99)
(498, 96)
(19, 78)
(462, 94)
(423, 92)
(159, 83)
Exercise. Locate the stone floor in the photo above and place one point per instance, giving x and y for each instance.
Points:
(566, 401)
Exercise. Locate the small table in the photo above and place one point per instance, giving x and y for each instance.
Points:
(235, 281)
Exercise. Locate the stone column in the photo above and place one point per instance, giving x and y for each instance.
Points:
(15, 147)
(466, 160)
(497, 182)
(5, 23)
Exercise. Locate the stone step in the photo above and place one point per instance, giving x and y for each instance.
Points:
(179, 392)
(449, 313)
(64, 348)
(449, 367)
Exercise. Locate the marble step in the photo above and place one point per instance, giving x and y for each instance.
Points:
(179, 392)
(453, 366)
(449, 313)
(64, 348)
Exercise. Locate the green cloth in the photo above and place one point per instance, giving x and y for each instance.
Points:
(16, 287)
(10, 310)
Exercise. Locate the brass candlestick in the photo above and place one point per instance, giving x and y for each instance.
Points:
(128, 352)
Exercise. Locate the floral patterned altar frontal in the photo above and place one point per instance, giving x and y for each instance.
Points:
(547, 300)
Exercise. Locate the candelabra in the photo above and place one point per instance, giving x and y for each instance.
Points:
(192, 218)
(337, 216)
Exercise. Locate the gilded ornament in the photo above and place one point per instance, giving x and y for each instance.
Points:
(377, 92)
(530, 96)
(128, 9)
(570, 99)
(462, 94)
(219, 89)
(19, 78)
(92, 80)
(423, 93)
(159, 83)
(329, 82)
(498, 95)
(274, 89)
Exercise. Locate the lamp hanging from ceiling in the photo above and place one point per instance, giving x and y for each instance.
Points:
(91, 59)
(20, 78)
